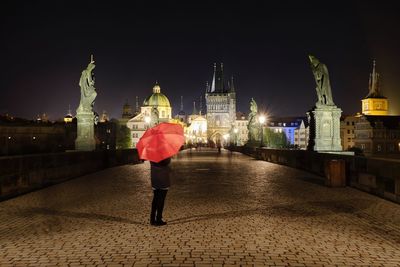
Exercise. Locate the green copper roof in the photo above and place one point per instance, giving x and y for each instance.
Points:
(157, 99)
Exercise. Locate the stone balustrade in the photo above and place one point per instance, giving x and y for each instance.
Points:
(377, 176)
(22, 174)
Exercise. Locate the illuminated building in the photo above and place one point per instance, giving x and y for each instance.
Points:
(286, 125)
(143, 120)
(221, 106)
(196, 132)
(241, 135)
(68, 118)
(374, 103)
(301, 135)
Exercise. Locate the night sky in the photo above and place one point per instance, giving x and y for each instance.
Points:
(46, 44)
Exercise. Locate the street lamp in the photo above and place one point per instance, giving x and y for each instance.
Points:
(226, 136)
(261, 120)
(236, 132)
(147, 121)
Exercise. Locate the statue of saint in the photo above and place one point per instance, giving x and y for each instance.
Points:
(323, 88)
(154, 116)
(252, 126)
(88, 91)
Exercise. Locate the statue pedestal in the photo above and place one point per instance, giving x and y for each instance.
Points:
(85, 131)
(324, 123)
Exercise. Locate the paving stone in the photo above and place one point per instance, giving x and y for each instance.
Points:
(222, 209)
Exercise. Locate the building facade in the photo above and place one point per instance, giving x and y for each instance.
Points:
(221, 106)
(347, 131)
(378, 135)
(287, 125)
(241, 131)
(301, 135)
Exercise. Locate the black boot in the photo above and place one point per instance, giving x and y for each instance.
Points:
(153, 208)
(160, 207)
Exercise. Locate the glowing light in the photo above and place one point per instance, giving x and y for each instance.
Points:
(235, 130)
(262, 119)
(147, 119)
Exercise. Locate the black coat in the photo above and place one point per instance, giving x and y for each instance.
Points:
(160, 174)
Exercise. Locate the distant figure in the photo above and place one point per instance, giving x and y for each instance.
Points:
(219, 146)
(160, 182)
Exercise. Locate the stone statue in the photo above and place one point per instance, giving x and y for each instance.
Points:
(88, 91)
(154, 116)
(252, 127)
(324, 117)
(86, 117)
(323, 88)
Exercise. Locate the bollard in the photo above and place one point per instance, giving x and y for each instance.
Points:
(335, 173)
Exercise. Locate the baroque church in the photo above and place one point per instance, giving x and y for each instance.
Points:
(221, 106)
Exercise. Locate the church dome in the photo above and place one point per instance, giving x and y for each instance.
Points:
(157, 98)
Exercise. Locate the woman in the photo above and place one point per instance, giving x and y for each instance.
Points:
(160, 183)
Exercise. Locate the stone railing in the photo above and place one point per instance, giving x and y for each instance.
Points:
(22, 174)
(376, 176)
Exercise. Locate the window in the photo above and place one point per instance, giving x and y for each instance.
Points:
(379, 148)
(352, 123)
(348, 131)
(163, 114)
(348, 123)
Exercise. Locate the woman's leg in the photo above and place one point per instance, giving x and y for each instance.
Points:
(160, 205)
(154, 207)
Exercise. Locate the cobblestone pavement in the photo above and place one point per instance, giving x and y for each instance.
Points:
(226, 209)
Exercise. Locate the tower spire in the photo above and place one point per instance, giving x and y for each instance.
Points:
(69, 110)
(194, 108)
(232, 86)
(201, 104)
(181, 102)
(213, 80)
(374, 82)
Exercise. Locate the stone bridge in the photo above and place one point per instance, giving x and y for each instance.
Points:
(223, 209)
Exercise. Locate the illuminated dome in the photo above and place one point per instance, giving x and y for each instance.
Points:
(157, 98)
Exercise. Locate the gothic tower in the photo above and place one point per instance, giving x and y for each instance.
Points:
(374, 103)
(221, 105)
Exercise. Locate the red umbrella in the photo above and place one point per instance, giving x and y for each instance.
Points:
(160, 142)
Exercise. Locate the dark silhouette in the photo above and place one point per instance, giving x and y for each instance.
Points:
(160, 183)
